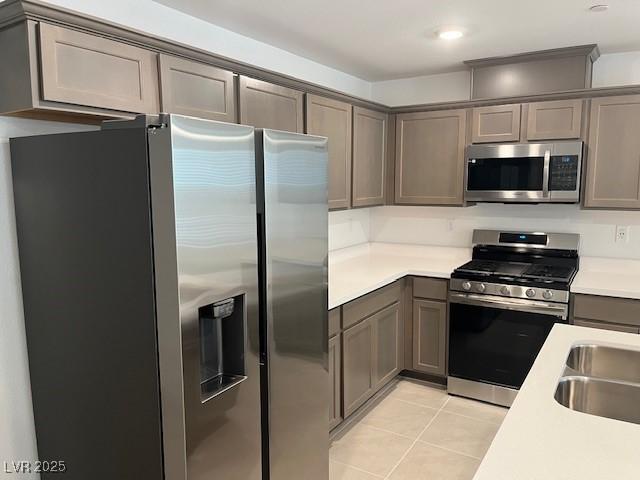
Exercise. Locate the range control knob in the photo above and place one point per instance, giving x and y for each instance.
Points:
(481, 287)
(466, 286)
(504, 290)
(530, 292)
(547, 294)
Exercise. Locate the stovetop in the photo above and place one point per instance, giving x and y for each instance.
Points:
(520, 272)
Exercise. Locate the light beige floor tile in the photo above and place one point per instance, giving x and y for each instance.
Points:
(419, 394)
(370, 449)
(474, 409)
(340, 471)
(462, 434)
(399, 417)
(427, 462)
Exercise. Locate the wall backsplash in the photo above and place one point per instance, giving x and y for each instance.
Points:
(453, 226)
(349, 227)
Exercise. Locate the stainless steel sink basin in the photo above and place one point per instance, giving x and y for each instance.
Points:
(594, 396)
(605, 362)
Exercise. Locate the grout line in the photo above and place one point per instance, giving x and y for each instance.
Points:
(492, 422)
(415, 441)
(357, 468)
(451, 450)
(389, 431)
(414, 403)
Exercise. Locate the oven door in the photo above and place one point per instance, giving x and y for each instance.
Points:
(496, 340)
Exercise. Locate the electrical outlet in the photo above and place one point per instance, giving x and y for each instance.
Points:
(622, 234)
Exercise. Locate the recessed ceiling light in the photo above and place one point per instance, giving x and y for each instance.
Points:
(450, 34)
(599, 8)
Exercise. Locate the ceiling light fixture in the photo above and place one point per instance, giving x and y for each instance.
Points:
(450, 34)
(599, 8)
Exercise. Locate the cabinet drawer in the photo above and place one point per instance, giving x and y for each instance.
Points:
(87, 70)
(607, 309)
(371, 303)
(432, 288)
(606, 326)
(334, 322)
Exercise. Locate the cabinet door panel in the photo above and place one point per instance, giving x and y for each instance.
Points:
(430, 157)
(198, 90)
(387, 345)
(332, 119)
(83, 69)
(369, 157)
(335, 379)
(429, 336)
(606, 326)
(265, 105)
(613, 163)
(499, 123)
(357, 365)
(557, 120)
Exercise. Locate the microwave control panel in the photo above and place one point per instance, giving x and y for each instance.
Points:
(563, 173)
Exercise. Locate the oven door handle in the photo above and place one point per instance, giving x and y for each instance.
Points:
(529, 306)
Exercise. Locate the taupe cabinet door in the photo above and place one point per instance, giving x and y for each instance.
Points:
(606, 326)
(429, 336)
(265, 105)
(556, 120)
(430, 157)
(387, 333)
(613, 163)
(357, 365)
(83, 69)
(500, 123)
(335, 381)
(332, 119)
(198, 90)
(369, 155)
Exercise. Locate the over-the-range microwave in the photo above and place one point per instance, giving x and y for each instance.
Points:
(524, 173)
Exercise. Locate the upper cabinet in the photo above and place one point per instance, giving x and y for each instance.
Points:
(196, 89)
(265, 105)
(55, 69)
(332, 119)
(369, 154)
(500, 123)
(613, 163)
(557, 120)
(430, 157)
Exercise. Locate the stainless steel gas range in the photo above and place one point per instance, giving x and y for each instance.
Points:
(503, 303)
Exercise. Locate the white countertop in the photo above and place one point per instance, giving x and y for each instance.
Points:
(610, 277)
(542, 440)
(358, 270)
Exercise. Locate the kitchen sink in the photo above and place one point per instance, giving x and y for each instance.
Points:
(595, 396)
(605, 362)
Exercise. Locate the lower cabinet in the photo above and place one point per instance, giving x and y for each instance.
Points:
(335, 382)
(607, 313)
(372, 355)
(429, 336)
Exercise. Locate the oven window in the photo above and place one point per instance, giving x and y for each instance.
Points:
(524, 173)
(494, 345)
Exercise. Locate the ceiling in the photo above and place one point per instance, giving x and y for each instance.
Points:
(379, 40)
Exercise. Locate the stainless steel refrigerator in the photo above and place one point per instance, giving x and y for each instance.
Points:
(174, 276)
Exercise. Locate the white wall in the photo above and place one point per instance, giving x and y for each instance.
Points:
(453, 226)
(617, 69)
(445, 87)
(17, 438)
(348, 227)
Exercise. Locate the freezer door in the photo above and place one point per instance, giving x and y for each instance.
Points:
(295, 273)
(205, 244)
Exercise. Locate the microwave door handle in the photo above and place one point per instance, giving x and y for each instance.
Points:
(545, 173)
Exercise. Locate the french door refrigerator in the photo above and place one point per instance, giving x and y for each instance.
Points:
(175, 307)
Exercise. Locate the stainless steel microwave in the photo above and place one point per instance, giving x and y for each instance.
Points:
(524, 173)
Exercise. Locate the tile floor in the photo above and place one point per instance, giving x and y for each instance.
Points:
(416, 432)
